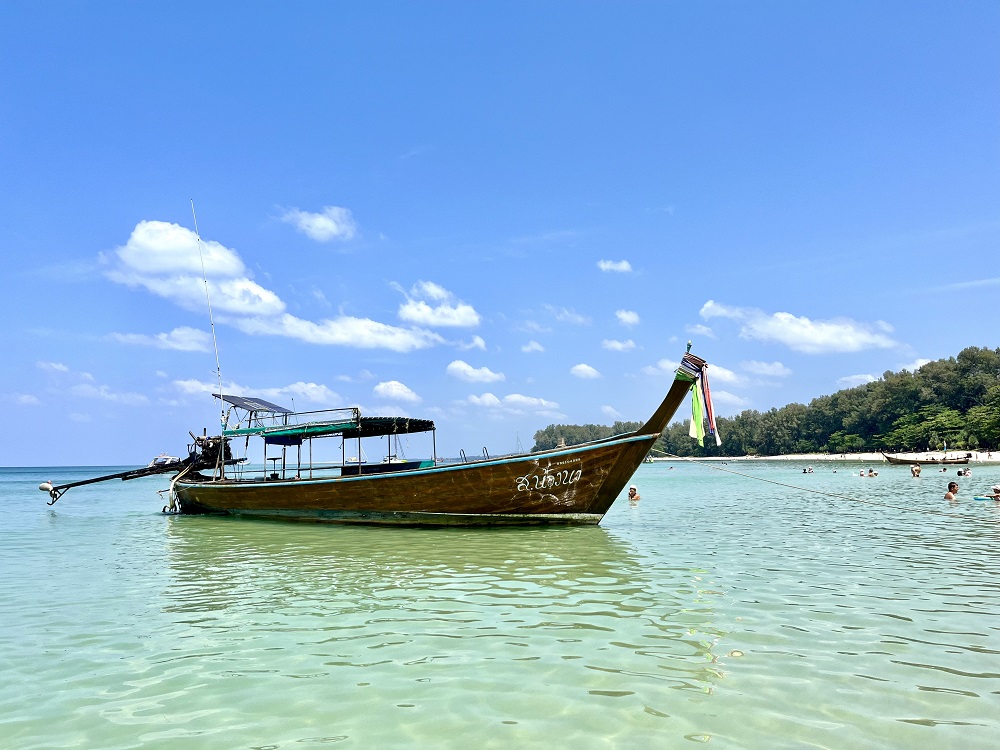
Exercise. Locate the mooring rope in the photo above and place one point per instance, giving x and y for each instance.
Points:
(173, 504)
(709, 465)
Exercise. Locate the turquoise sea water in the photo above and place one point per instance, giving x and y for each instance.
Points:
(718, 609)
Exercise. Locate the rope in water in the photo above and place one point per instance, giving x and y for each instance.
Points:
(706, 464)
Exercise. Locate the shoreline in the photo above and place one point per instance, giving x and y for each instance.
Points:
(978, 457)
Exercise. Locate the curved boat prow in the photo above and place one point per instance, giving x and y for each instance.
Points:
(671, 403)
(691, 370)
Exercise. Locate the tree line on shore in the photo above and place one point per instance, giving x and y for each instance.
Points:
(952, 402)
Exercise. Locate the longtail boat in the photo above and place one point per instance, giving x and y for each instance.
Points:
(564, 485)
(910, 460)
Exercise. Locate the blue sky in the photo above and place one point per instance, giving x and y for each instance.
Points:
(494, 215)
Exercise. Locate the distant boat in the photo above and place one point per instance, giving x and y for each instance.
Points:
(564, 485)
(163, 460)
(910, 460)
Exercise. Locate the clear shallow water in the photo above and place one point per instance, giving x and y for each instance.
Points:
(718, 609)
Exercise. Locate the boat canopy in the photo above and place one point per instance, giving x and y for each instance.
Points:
(355, 427)
(375, 426)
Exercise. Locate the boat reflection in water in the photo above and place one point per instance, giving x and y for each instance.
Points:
(364, 603)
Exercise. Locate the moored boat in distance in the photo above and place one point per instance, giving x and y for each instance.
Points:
(564, 485)
(164, 459)
(908, 459)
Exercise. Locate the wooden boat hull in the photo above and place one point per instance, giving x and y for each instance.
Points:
(902, 461)
(575, 485)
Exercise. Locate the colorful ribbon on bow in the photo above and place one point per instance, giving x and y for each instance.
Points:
(695, 369)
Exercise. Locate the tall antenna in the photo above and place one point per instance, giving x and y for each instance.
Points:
(211, 318)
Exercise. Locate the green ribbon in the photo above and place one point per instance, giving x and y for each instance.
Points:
(697, 430)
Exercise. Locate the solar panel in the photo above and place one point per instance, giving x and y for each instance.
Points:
(252, 404)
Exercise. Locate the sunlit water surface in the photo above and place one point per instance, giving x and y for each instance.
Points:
(718, 609)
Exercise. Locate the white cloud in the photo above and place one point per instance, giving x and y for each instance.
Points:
(393, 410)
(816, 337)
(586, 372)
(26, 399)
(312, 392)
(52, 366)
(163, 258)
(915, 365)
(60, 368)
(419, 312)
(360, 333)
(729, 401)
(852, 381)
(973, 284)
(196, 387)
(332, 223)
(700, 330)
(362, 377)
(464, 371)
(618, 346)
(535, 327)
(240, 296)
(448, 312)
(664, 366)
(430, 290)
(104, 393)
(183, 339)
(614, 266)
(719, 374)
(803, 334)
(521, 401)
(555, 236)
(515, 403)
(627, 317)
(610, 411)
(396, 391)
(315, 393)
(487, 399)
(713, 309)
(767, 369)
(532, 346)
(565, 315)
(477, 342)
(159, 248)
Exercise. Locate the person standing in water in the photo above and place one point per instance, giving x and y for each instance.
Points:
(952, 491)
(633, 494)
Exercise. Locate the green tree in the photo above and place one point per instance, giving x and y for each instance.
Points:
(954, 400)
